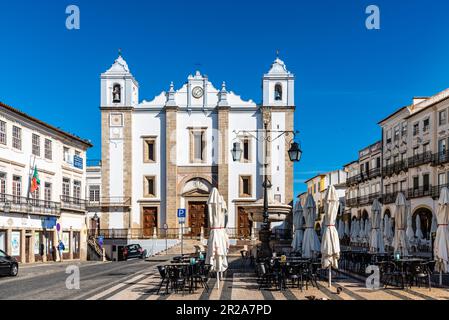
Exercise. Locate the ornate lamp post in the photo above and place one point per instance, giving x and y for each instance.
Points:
(294, 154)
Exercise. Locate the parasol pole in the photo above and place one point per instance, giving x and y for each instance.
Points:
(330, 276)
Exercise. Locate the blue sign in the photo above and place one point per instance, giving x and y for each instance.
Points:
(181, 213)
(77, 162)
(48, 222)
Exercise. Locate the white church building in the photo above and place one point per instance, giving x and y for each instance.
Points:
(169, 152)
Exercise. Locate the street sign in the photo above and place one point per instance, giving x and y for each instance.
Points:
(182, 220)
(58, 227)
(181, 213)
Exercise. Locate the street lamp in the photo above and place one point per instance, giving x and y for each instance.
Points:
(294, 154)
(95, 218)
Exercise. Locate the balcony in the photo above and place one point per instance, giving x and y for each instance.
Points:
(353, 202)
(75, 204)
(390, 197)
(420, 159)
(364, 200)
(108, 202)
(441, 158)
(354, 180)
(436, 190)
(395, 168)
(14, 204)
(425, 191)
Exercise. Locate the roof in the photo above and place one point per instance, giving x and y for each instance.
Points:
(316, 176)
(352, 162)
(61, 132)
(393, 114)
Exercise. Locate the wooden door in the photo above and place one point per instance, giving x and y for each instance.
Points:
(27, 249)
(197, 217)
(244, 224)
(149, 221)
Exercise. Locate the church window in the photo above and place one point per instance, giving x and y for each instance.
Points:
(149, 149)
(245, 186)
(149, 186)
(278, 92)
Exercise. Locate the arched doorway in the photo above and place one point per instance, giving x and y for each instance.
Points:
(425, 217)
(195, 194)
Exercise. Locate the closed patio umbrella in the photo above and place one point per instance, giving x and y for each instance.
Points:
(218, 242)
(368, 231)
(355, 230)
(347, 230)
(361, 235)
(400, 240)
(341, 228)
(310, 243)
(298, 225)
(409, 232)
(330, 245)
(441, 246)
(377, 239)
(418, 234)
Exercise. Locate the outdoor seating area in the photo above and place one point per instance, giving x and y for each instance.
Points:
(185, 274)
(402, 272)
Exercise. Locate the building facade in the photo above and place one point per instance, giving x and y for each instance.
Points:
(168, 153)
(28, 221)
(364, 181)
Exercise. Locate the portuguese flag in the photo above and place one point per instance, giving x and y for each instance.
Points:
(35, 182)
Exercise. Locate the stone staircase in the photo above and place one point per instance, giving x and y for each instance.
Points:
(95, 251)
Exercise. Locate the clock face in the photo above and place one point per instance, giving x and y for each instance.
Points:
(197, 92)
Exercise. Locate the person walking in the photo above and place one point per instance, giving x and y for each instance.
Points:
(61, 249)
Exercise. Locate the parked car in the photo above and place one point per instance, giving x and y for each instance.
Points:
(134, 251)
(8, 265)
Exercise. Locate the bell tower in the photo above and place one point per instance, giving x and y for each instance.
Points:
(278, 86)
(119, 96)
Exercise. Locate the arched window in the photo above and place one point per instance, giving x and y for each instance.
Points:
(116, 93)
(278, 92)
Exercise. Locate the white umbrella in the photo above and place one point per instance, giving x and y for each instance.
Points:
(376, 241)
(418, 234)
(388, 232)
(341, 228)
(354, 230)
(400, 240)
(441, 246)
(330, 245)
(361, 234)
(409, 232)
(298, 225)
(310, 243)
(368, 231)
(218, 242)
(347, 230)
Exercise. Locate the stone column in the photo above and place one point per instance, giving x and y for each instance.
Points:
(32, 246)
(127, 165)
(23, 257)
(105, 165)
(83, 243)
(8, 241)
(55, 245)
(289, 196)
(171, 167)
(70, 244)
(223, 152)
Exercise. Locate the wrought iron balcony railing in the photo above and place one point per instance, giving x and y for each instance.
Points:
(420, 159)
(72, 203)
(108, 202)
(424, 191)
(441, 158)
(15, 204)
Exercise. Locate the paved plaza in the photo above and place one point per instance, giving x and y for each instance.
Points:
(139, 280)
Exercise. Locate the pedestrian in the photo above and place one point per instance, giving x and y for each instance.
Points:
(61, 249)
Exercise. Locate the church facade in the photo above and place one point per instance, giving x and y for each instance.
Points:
(168, 153)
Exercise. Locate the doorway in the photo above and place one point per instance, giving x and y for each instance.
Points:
(244, 224)
(149, 221)
(27, 248)
(197, 217)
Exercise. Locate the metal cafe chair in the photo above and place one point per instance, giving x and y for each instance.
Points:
(163, 274)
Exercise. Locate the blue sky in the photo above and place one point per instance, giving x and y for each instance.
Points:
(347, 77)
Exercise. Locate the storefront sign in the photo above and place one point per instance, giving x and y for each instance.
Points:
(65, 241)
(77, 162)
(37, 243)
(15, 243)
